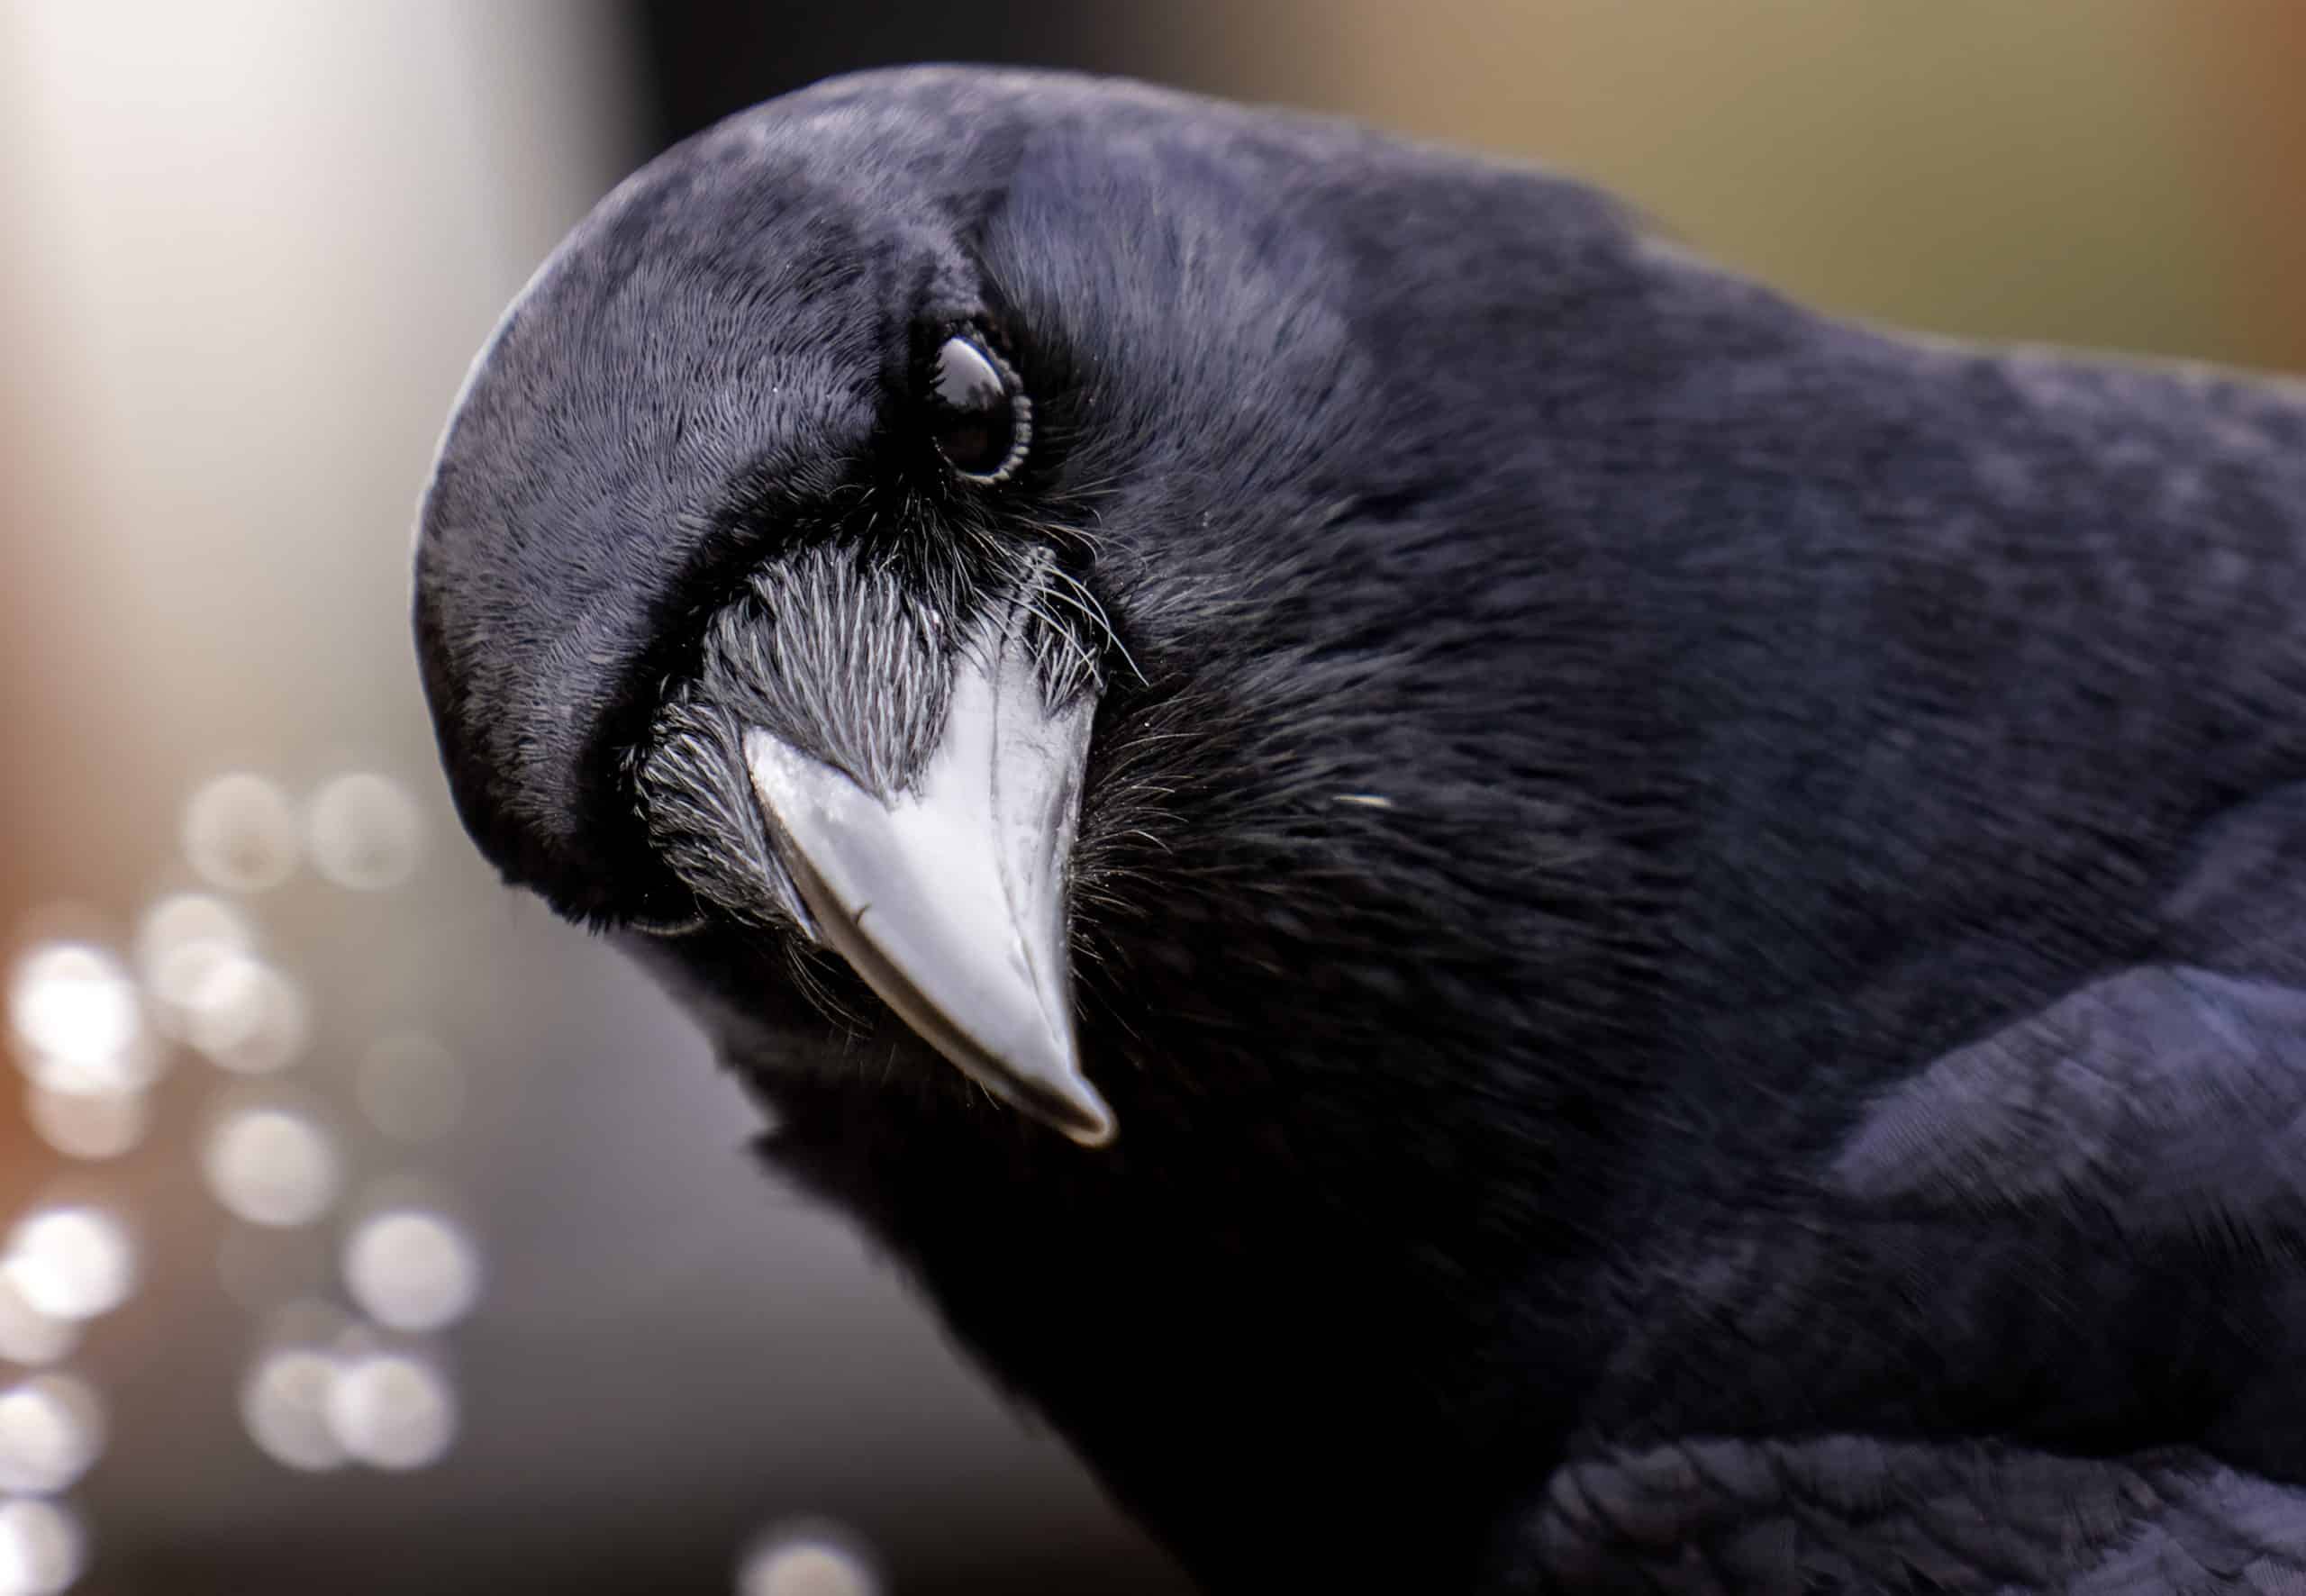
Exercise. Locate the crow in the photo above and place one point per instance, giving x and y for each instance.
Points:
(1497, 912)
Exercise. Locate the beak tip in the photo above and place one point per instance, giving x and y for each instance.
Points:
(1091, 1123)
(1062, 1098)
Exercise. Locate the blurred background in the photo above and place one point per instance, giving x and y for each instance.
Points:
(362, 1229)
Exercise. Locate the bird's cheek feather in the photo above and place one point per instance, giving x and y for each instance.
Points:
(948, 897)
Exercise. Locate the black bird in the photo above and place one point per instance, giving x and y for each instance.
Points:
(1601, 934)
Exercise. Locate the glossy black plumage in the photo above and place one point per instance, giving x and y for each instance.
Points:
(1695, 917)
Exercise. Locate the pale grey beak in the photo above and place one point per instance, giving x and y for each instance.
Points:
(949, 898)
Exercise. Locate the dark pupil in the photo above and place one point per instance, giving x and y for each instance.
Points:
(972, 423)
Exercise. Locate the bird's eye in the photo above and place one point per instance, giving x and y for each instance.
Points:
(977, 418)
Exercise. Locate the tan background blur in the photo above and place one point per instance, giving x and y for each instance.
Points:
(246, 251)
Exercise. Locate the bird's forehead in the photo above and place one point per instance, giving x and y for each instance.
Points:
(738, 296)
(739, 301)
(658, 364)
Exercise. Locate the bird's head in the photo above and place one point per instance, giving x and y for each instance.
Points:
(872, 477)
(754, 586)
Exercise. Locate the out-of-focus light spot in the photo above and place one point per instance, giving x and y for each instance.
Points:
(43, 1548)
(28, 1336)
(180, 941)
(243, 1015)
(271, 1166)
(76, 1021)
(189, 920)
(410, 1087)
(391, 1410)
(179, 981)
(806, 1560)
(240, 833)
(365, 831)
(51, 1428)
(70, 1263)
(99, 1124)
(410, 1269)
(285, 1403)
(130, 1070)
(74, 1003)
